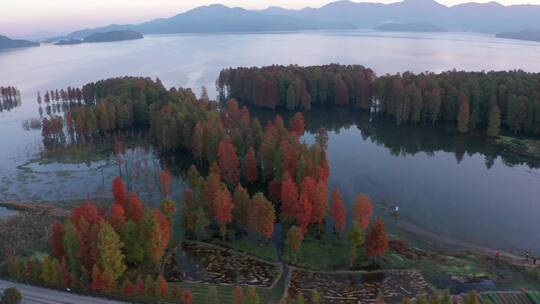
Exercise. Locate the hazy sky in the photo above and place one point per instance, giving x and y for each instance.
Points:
(21, 18)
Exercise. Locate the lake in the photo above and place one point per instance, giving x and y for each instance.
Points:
(459, 186)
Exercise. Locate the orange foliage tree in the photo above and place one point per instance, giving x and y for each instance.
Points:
(376, 239)
(338, 210)
(362, 210)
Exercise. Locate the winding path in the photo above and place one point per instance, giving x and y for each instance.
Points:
(39, 295)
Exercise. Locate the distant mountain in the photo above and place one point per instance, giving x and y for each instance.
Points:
(219, 18)
(521, 35)
(7, 43)
(490, 17)
(410, 27)
(480, 17)
(111, 36)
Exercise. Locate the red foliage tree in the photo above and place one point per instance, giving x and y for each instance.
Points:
(274, 189)
(303, 214)
(118, 217)
(289, 197)
(86, 220)
(228, 161)
(159, 237)
(297, 124)
(338, 210)
(134, 208)
(320, 203)
(223, 210)
(376, 239)
(163, 287)
(165, 183)
(57, 240)
(139, 286)
(187, 297)
(250, 166)
(128, 289)
(119, 190)
(238, 295)
(97, 279)
(362, 210)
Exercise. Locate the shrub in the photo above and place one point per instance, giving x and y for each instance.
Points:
(11, 296)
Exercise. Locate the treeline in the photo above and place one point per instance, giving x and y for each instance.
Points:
(10, 97)
(471, 101)
(294, 87)
(110, 105)
(119, 250)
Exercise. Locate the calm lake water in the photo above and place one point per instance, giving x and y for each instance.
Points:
(458, 186)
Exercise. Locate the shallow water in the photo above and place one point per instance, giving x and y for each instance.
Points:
(451, 184)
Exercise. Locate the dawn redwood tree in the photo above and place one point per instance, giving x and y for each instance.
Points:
(261, 216)
(158, 238)
(238, 295)
(241, 202)
(463, 116)
(320, 204)
(303, 213)
(168, 208)
(297, 124)
(376, 239)
(140, 288)
(119, 190)
(223, 210)
(165, 183)
(494, 121)
(163, 287)
(118, 217)
(97, 279)
(57, 240)
(187, 297)
(356, 239)
(128, 289)
(134, 208)
(86, 221)
(250, 166)
(110, 251)
(362, 210)
(295, 237)
(289, 197)
(274, 189)
(337, 210)
(228, 161)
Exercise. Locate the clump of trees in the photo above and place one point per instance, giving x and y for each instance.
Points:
(294, 87)
(105, 251)
(469, 100)
(10, 97)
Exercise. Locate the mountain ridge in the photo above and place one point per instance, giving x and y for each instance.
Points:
(490, 17)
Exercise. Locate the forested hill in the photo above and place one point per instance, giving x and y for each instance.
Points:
(7, 43)
(220, 18)
(470, 100)
(113, 36)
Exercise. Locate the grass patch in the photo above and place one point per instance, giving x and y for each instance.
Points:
(320, 255)
(264, 250)
(225, 293)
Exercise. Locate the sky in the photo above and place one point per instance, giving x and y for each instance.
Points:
(35, 18)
